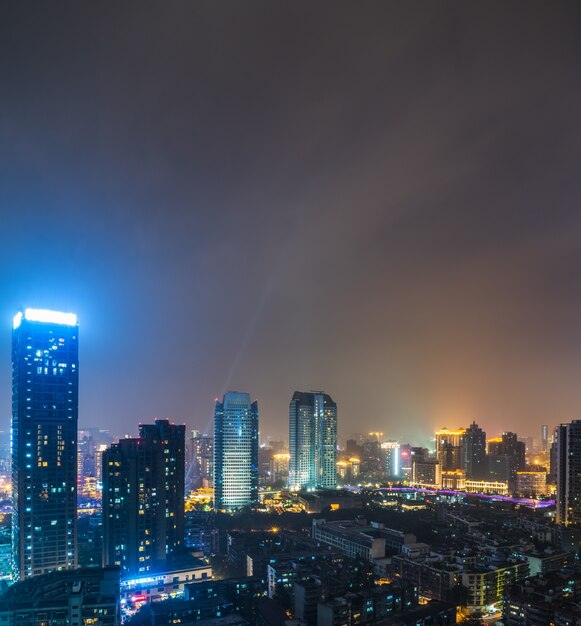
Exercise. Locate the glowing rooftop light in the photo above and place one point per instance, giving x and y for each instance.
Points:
(46, 316)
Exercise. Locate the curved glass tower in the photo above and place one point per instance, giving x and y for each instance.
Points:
(235, 452)
(45, 390)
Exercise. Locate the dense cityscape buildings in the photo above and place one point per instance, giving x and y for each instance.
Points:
(45, 383)
(148, 544)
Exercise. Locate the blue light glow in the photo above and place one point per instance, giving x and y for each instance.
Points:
(46, 316)
(17, 320)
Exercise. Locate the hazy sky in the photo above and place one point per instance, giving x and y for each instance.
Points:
(381, 200)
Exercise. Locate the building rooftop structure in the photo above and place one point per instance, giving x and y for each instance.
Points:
(75, 595)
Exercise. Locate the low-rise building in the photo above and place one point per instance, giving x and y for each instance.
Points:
(498, 487)
(487, 581)
(71, 597)
(355, 538)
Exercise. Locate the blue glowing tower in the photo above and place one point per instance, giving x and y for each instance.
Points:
(45, 376)
(235, 452)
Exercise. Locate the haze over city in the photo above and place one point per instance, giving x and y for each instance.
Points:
(382, 205)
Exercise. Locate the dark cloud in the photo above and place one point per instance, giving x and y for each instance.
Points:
(380, 200)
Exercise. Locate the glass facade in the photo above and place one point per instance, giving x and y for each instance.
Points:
(45, 375)
(312, 441)
(235, 452)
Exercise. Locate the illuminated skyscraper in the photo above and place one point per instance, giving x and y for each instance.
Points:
(544, 438)
(569, 473)
(143, 498)
(235, 452)
(391, 450)
(312, 441)
(475, 461)
(450, 448)
(45, 375)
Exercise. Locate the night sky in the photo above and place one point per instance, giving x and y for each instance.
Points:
(380, 200)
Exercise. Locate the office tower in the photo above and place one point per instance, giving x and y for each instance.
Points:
(391, 451)
(475, 462)
(143, 499)
(544, 438)
(201, 470)
(405, 454)
(45, 371)
(553, 453)
(569, 473)
(450, 448)
(506, 457)
(235, 452)
(312, 441)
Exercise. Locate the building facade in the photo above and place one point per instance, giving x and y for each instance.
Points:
(450, 448)
(45, 383)
(475, 461)
(312, 441)
(235, 452)
(569, 473)
(143, 499)
(76, 598)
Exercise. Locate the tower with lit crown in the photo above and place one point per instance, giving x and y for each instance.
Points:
(45, 383)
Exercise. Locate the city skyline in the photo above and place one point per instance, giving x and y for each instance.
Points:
(389, 197)
(132, 428)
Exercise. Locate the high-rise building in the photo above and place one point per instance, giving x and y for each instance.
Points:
(475, 462)
(143, 498)
(450, 448)
(235, 452)
(391, 450)
(569, 473)
(45, 376)
(312, 441)
(545, 438)
(200, 469)
(506, 457)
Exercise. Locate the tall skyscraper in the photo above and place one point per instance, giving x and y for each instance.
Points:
(475, 461)
(545, 438)
(45, 377)
(235, 452)
(312, 441)
(450, 448)
(143, 498)
(569, 473)
(506, 457)
(200, 468)
(391, 450)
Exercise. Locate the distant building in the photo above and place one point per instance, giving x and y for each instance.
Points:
(201, 467)
(426, 472)
(544, 438)
(569, 473)
(450, 448)
(507, 455)
(74, 598)
(391, 450)
(531, 483)
(235, 452)
(475, 463)
(312, 441)
(143, 499)
(45, 397)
